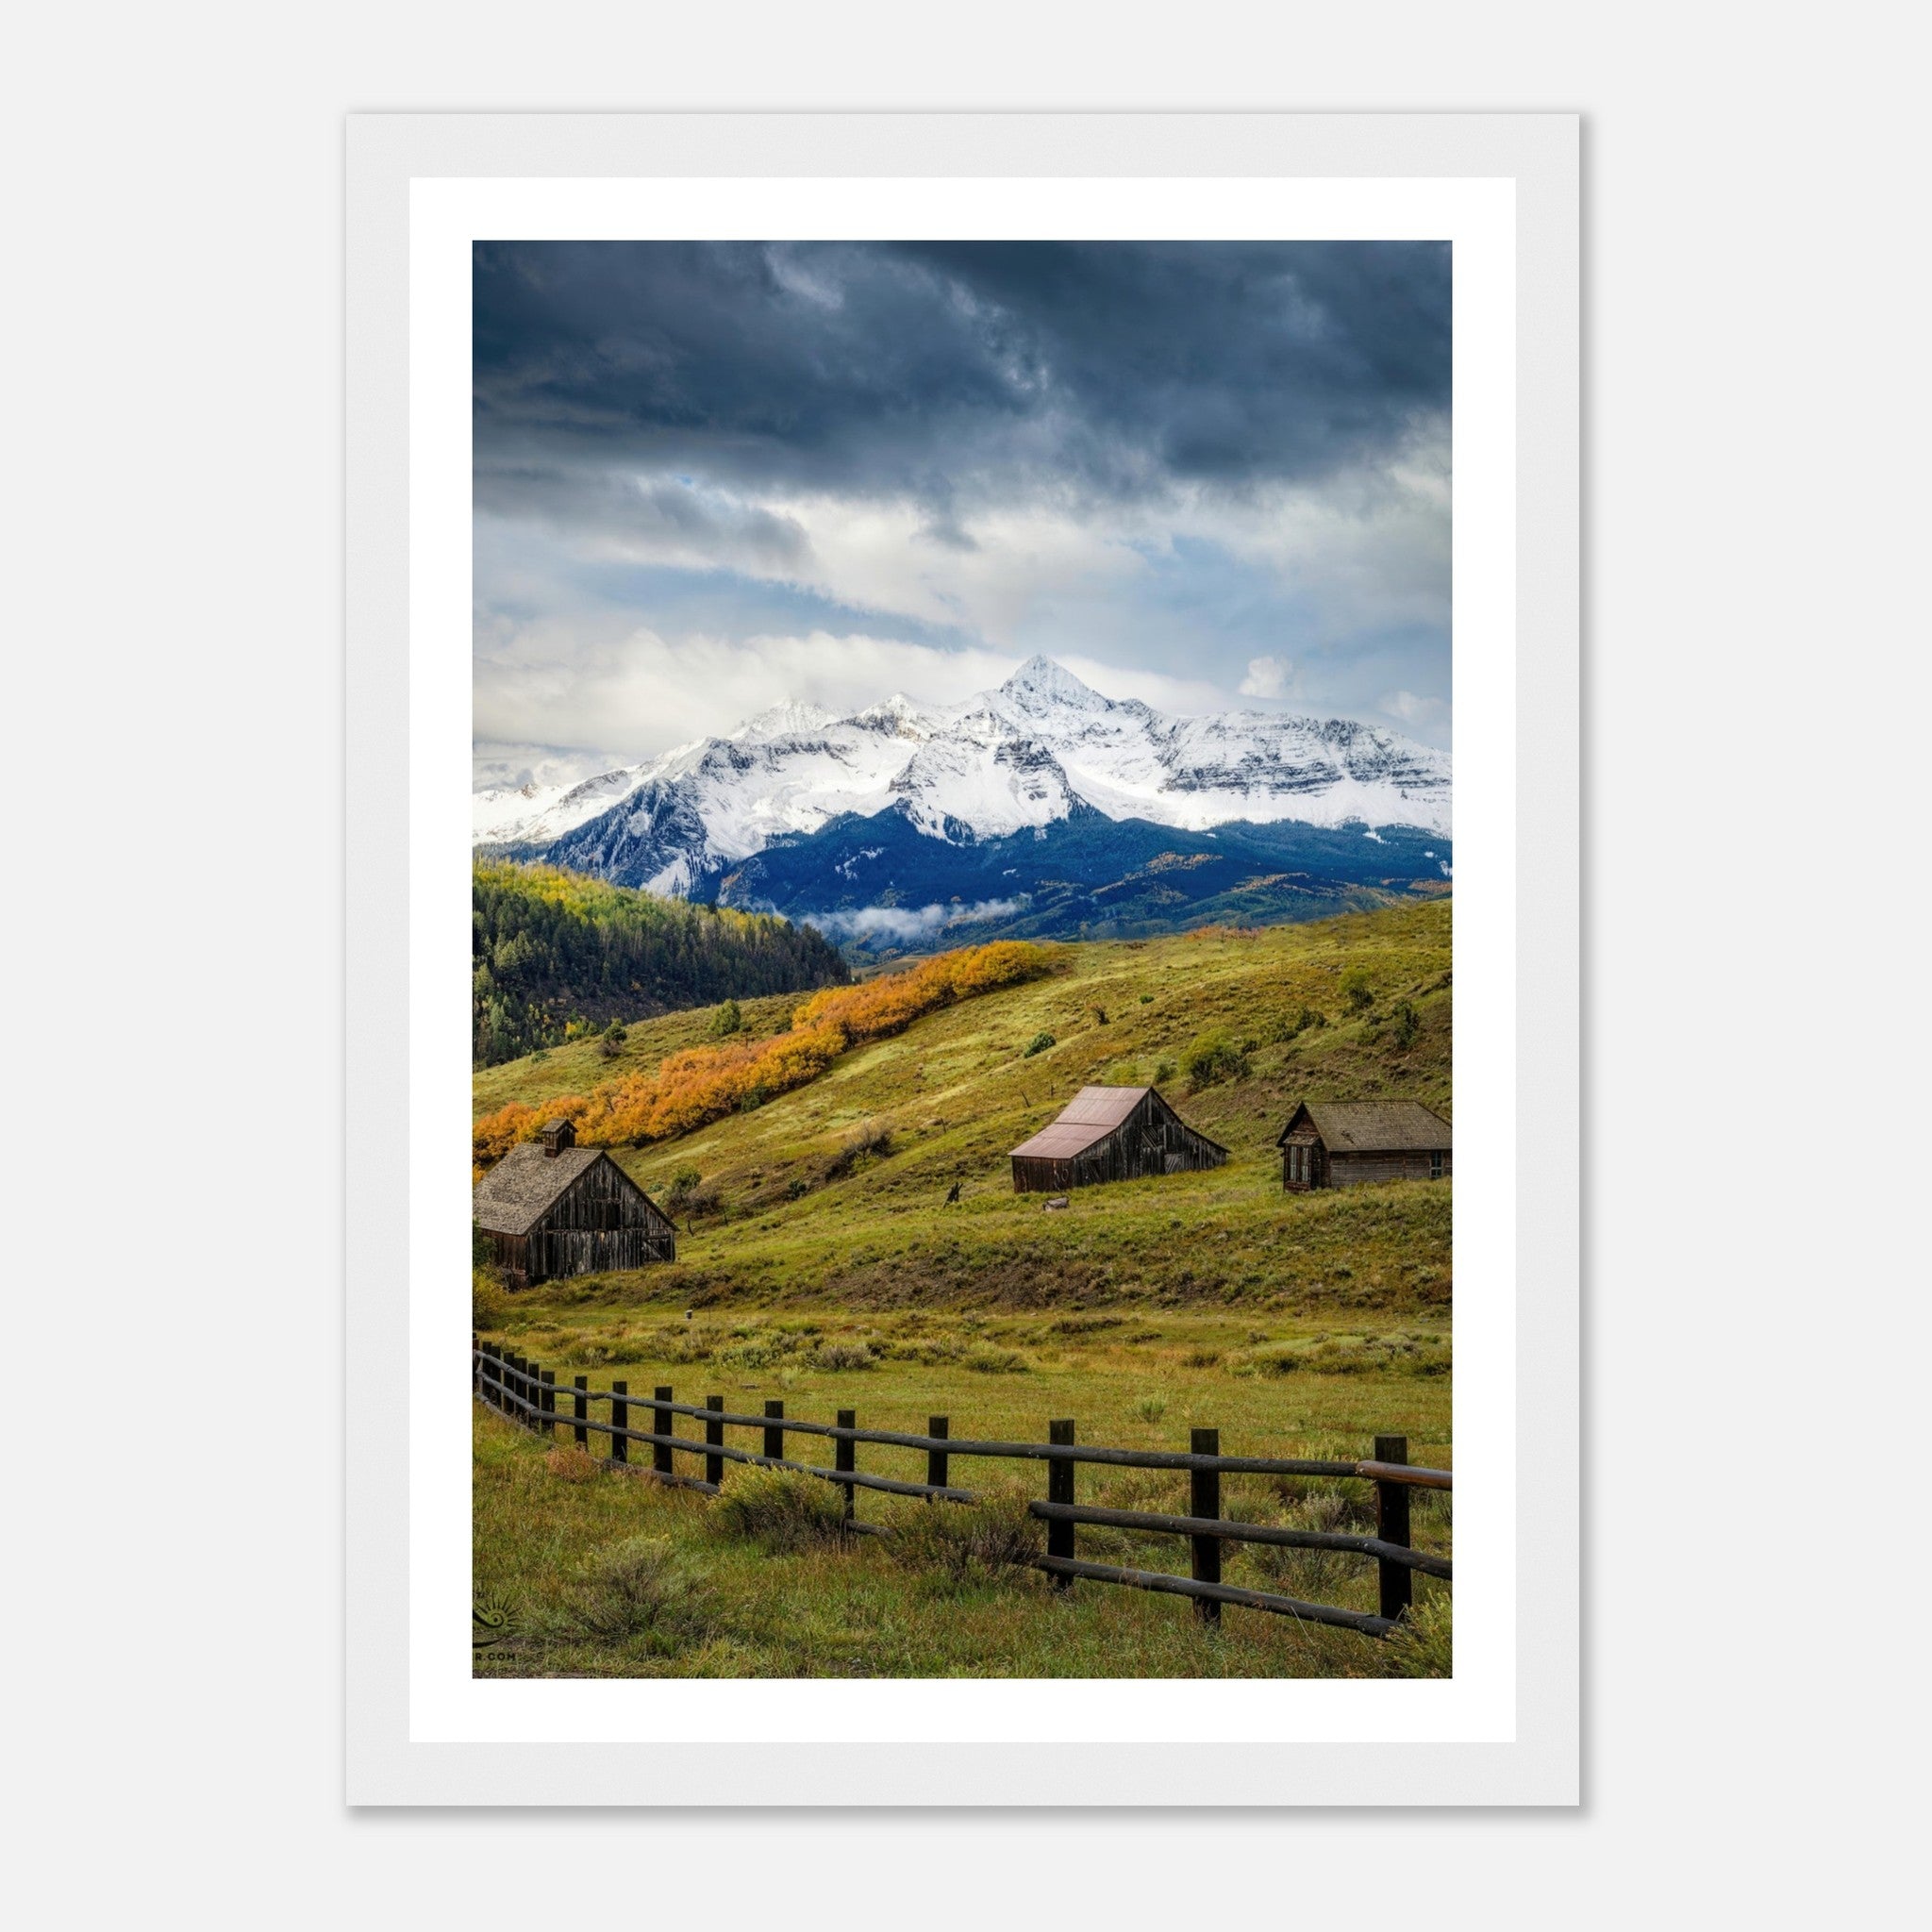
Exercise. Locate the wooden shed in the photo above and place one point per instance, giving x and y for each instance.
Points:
(1110, 1133)
(1341, 1143)
(551, 1208)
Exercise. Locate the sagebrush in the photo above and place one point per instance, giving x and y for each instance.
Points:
(778, 1508)
(964, 1542)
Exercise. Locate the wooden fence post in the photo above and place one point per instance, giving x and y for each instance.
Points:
(550, 1404)
(774, 1439)
(936, 1460)
(1391, 1525)
(520, 1389)
(1059, 1488)
(620, 1419)
(1205, 1499)
(661, 1425)
(845, 1458)
(714, 1435)
(493, 1385)
(475, 1363)
(580, 1407)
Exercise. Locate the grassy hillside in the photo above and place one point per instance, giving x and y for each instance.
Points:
(820, 1263)
(745, 1071)
(838, 1190)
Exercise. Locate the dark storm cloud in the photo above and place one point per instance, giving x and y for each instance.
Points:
(957, 373)
(711, 475)
(625, 512)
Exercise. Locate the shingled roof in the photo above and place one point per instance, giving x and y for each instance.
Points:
(525, 1185)
(1372, 1126)
(1091, 1115)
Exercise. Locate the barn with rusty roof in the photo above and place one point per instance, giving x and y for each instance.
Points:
(1341, 1143)
(551, 1208)
(1110, 1133)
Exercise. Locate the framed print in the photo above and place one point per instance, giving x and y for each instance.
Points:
(933, 702)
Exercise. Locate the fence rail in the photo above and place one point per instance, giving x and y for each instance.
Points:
(527, 1394)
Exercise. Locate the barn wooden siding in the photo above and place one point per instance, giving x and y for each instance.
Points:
(602, 1221)
(1304, 1161)
(1351, 1169)
(1353, 1144)
(1151, 1141)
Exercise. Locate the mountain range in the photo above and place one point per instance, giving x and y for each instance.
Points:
(1042, 806)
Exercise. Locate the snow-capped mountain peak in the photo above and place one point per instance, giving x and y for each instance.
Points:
(1043, 683)
(789, 718)
(899, 717)
(1041, 747)
(535, 814)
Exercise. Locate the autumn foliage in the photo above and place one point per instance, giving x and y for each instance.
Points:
(705, 1083)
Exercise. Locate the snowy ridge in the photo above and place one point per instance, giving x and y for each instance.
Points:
(1029, 754)
(502, 813)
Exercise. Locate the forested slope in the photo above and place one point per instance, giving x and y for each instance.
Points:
(556, 955)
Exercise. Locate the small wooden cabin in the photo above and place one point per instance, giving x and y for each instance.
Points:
(551, 1208)
(1110, 1133)
(1341, 1143)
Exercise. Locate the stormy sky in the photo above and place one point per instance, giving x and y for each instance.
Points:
(709, 475)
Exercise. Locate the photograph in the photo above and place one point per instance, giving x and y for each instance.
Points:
(906, 666)
(962, 986)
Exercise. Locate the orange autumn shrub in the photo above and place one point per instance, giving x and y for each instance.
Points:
(495, 1134)
(702, 1084)
(876, 1008)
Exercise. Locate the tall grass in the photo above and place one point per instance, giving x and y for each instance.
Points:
(618, 1576)
(966, 1542)
(640, 1586)
(779, 1508)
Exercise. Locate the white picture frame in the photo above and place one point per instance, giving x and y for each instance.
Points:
(419, 184)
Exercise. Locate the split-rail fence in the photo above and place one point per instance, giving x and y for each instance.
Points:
(528, 1393)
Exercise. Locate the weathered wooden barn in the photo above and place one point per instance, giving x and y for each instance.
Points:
(551, 1208)
(1110, 1133)
(1341, 1143)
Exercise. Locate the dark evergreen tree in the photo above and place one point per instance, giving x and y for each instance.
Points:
(558, 954)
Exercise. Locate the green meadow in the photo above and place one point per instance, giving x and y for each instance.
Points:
(820, 1263)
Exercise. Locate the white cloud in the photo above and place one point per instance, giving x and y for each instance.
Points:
(1270, 677)
(1415, 711)
(495, 763)
(632, 518)
(1366, 549)
(907, 924)
(1158, 599)
(552, 682)
(882, 556)
(597, 685)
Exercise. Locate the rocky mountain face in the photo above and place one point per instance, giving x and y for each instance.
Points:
(882, 884)
(1042, 753)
